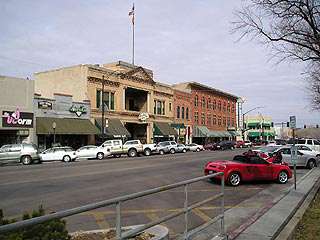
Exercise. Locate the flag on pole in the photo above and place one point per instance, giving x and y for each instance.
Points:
(131, 14)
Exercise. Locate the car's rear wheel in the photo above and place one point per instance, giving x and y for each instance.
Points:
(132, 153)
(234, 179)
(66, 158)
(311, 163)
(172, 151)
(161, 152)
(184, 150)
(198, 149)
(283, 177)
(147, 152)
(100, 156)
(26, 160)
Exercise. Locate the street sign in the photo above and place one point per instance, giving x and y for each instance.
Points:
(292, 123)
(294, 154)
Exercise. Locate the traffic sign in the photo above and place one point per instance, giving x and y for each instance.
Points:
(292, 123)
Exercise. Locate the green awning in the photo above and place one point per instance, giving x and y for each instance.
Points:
(254, 134)
(114, 128)
(234, 133)
(201, 131)
(268, 134)
(266, 124)
(226, 134)
(65, 126)
(178, 125)
(162, 129)
(214, 134)
(253, 124)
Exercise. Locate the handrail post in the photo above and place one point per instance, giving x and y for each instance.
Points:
(118, 221)
(186, 211)
(222, 230)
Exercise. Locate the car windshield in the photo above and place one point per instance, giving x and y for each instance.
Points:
(268, 149)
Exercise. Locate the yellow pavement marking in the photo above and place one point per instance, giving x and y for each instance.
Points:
(100, 219)
(202, 215)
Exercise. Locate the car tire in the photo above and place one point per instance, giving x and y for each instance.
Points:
(66, 158)
(100, 155)
(172, 151)
(311, 164)
(283, 177)
(234, 179)
(147, 152)
(184, 150)
(161, 152)
(132, 153)
(26, 160)
(116, 155)
(198, 149)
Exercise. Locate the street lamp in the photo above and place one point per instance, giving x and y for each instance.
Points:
(54, 125)
(243, 128)
(102, 116)
(262, 129)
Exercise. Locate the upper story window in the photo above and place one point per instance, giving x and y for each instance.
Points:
(182, 112)
(209, 121)
(219, 120)
(159, 107)
(170, 106)
(214, 105)
(224, 106)
(219, 105)
(178, 112)
(214, 120)
(228, 121)
(224, 121)
(232, 108)
(232, 122)
(203, 102)
(196, 117)
(203, 119)
(228, 107)
(107, 99)
(196, 101)
(209, 103)
(187, 113)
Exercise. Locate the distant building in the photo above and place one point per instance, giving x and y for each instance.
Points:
(259, 128)
(308, 133)
(16, 109)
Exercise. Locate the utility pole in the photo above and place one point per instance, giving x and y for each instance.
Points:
(102, 116)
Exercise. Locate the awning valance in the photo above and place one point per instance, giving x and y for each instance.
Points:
(201, 131)
(254, 134)
(268, 134)
(234, 133)
(65, 126)
(253, 124)
(162, 129)
(178, 125)
(114, 128)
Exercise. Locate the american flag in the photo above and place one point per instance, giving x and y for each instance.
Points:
(131, 14)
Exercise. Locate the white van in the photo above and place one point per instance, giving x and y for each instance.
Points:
(314, 144)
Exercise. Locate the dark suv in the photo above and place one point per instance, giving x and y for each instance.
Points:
(23, 153)
(223, 145)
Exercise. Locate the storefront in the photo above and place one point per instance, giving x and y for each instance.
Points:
(60, 121)
(114, 129)
(162, 131)
(202, 135)
(16, 109)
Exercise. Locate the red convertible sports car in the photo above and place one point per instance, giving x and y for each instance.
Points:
(249, 168)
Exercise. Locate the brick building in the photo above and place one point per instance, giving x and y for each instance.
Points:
(213, 112)
(182, 108)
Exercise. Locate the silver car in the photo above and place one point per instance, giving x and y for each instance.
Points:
(65, 154)
(181, 148)
(91, 151)
(195, 147)
(24, 153)
(167, 147)
(303, 159)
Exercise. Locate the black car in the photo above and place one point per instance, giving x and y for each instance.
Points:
(223, 145)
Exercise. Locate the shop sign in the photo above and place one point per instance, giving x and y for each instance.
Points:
(17, 119)
(143, 116)
(78, 110)
(45, 105)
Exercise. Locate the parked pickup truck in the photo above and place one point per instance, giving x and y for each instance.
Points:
(132, 148)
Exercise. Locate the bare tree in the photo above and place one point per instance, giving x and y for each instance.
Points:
(290, 27)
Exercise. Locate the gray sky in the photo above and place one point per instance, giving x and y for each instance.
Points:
(180, 40)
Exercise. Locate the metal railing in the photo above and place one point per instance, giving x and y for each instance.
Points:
(119, 200)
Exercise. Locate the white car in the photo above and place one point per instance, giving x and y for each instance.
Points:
(307, 150)
(195, 147)
(247, 144)
(91, 151)
(65, 154)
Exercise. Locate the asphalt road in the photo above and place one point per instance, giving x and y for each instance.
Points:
(58, 186)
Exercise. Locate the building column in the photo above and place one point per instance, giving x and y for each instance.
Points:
(150, 132)
(124, 99)
(148, 102)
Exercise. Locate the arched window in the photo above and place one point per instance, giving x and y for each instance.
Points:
(178, 112)
(187, 113)
(196, 99)
(182, 112)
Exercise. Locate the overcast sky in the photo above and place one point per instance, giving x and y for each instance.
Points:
(180, 40)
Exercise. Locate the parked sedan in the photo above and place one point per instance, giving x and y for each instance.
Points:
(224, 145)
(91, 152)
(65, 154)
(195, 147)
(249, 168)
(181, 148)
(210, 146)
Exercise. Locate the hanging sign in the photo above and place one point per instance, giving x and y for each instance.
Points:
(78, 110)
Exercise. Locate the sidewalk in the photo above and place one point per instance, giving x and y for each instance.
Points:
(263, 215)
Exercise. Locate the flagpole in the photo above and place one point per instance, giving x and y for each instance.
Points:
(133, 20)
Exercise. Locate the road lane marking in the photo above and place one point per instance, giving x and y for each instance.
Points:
(202, 215)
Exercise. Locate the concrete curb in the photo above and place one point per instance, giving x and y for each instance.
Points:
(289, 229)
(270, 224)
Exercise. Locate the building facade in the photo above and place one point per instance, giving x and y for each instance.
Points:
(125, 100)
(213, 113)
(182, 108)
(62, 121)
(259, 128)
(16, 108)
